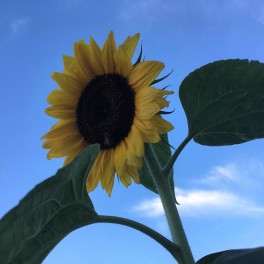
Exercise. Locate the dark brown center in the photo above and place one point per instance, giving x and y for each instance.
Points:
(106, 110)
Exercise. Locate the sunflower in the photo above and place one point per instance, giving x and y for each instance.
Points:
(103, 98)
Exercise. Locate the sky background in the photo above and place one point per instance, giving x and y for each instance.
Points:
(220, 189)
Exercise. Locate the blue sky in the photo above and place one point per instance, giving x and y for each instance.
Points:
(220, 189)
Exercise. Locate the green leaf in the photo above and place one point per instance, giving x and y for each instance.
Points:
(241, 256)
(209, 259)
(48, 213)
(224, 102)
(161, 153)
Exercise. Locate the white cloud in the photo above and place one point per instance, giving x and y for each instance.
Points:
(247, 174)
(204, 202)
(229, 172)
(151, 207)
(19, 24)
(226, 190)
(197, 203)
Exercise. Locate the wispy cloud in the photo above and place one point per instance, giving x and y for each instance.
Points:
(19, 24)
(215, 196)
(247, 174)
(229, 172)
(197, 203)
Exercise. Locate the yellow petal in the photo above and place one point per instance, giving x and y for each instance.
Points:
(143, 124)
(133, 172)
(65, 146)
(145, 73)
(71, 67)
(130, 45)
(64, 130)
(123, 63)
(74, 153)
(120, 159)
(61, 111)
(108, 52)
(95, 173)
(133, 158)
(108, 171)
(149, 135)
(49, 143)
(67, 83)
(139, 162)
(162, 92)
(130, 155)
(162, 125)
(68, 64)
(57, 97)
(125, 179)
(83, 54)
(159, 98)
(161, 102)
(146, 111)
(136, 137)
(96, 57)
(146, 95)
(61, 123)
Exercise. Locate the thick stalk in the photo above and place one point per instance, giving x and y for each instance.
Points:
(168, 202)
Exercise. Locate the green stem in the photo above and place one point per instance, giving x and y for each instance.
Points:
(167, 244)
(167, 169)
(168, 201)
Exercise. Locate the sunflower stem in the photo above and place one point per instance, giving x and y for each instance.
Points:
(166, 243)
(168, 201)
(167, 169)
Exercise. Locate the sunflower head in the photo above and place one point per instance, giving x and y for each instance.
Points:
(103, 98)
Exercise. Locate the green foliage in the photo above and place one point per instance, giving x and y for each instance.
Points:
(209, 259)
(159, 157)
(224, 105)
(239, 256)
(224, 102)
(53, 209)
(48, 213)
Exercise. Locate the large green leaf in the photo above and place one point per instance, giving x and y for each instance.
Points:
(52, 210)
(161, 153)
(238, 256)
(224, 102)
(48, 213)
